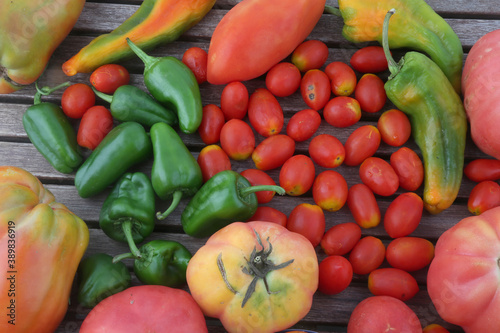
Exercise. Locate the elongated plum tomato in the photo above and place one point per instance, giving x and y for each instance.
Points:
(303, 124)
(327, 151)
(392, 282)
(335, 275)
(311, 54)
(341, 238)
(363, 206)
(237, 139)
(410, 253)
(259, 177)
(307, 220)
(484, 196)
(409, 168)
(379, 176)
(107, 78)
(342, 111)
(212, 160)
(269, 214)
(96, 123)
(403, 215)
(343, 80)
(482, 169)
(234, 100)
(211, 124)
(196, 59)
(77, 99)
(330, 190)
(265, 113)
(283, 79)
(362, 143)
(297, 175)
(367, 255)
(394, 127)
(370, 93)
(315, 89)
(273, 152)
(369, 59)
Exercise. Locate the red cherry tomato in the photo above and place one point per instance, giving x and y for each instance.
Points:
(363, 206)
(94, 126)
(394, 127)
(408, 167)
(434, 328)
(273, 151)
(77, 99)
(483, 169)
(343, 80)
(311, 54)
(341, 238)
(330, 190)
(270, 214)
(303, 124)
(392, 282)
(283, 79)
(237, 139)
(211, 124)
(212, 160)
(327, 151)
(485, 195)
(379, 176)
(410, 253)
(307, 220)
(367, 255)
(234, 100)
(370, 93)
(259, 177)
(342, 111)
(109, 77)
(315, 89)
(265, 113)
(196, 59)
(369, 59)
(362, 143)
(335, 275)
(403, 215)
(297, 175)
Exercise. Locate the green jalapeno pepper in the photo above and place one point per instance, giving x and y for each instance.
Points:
(174, 85)
(175, 172)
(124, 146)
(225, 198)
(51, 133)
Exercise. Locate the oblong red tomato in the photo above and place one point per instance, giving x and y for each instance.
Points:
(273, 151)
(335, 275)
(234, 100)
(392, 282)
(484, 196)
(343, 80)
(77, 99)
(363, 206)
(409, 168)
(297, 175)
(342, 111)
(94, 126)
(403, 215)
(341, 238)
(265, 113)
(367, 255)
(196, 59)
(330, 190)
(307, 220)
(107, 78)
(270, 214)
(283, 79)
(394, 127)
(370, 93)
(303, 124)
(315, 89)
(379, 176)
(482, 169)
(410, 253)
(237, 139)
(212, 160)
(362, 143)
(211, 124)
(259, 177)
(327, 151)
(311, 54)
(369, 59)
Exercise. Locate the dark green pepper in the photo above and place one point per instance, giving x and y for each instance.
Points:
(124, 146)
(174, 85)
(175, 173)
(130, 103)
(51, 133)
(99, 278)
(128, 213)
(225, 198)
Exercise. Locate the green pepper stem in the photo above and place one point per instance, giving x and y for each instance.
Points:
(120, 257)
(257, 188)
(103, 96)
(176, 198)
(127, 230)
(147, 59)
(394, 67)
(46, 91)
(333, 10)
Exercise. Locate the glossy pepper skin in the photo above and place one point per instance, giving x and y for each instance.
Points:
(48, 241)
(225, 198)
(124, 146)
(420, 89)
(51, 133)
(99, 277)
(174, 85)
(31, 31)
(175, 172)
(417, 27)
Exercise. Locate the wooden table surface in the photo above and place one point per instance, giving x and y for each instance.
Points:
(469, 19)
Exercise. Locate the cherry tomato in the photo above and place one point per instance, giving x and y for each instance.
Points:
(403, 215)
(335, 275)
(434, 328)
(485, 195)
(367, 255)
(109, 77)
(273, 151)
(408, 167)
(362, 143)
(297, 175)
(379, 176)
(196, 59)
(311, 54)
(369, 59)
(270, 214)
(370, 93)
(315, 89)
(283, 79)
(265, 113)
(259, 177)
(330, 190)
(307, 220)
(341, 238)
(327, 151)
(77, 99)
(483, 169)
(237, 139)
(394, 127)
(343, 80)
(94, 126)
(363, 206)
(303, 124)
(212, 160)
(234, 100)
(342, 111)
(410, 253)
(211, 124)
(392, 282)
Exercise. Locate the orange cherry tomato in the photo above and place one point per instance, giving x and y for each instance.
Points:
(311, 54)
(403, 215)
(237, 139)
(327, 151)
(307, 220)
(270, 214)
(363, 206)
(341, 238)
(379, 176)
(484, 196)
(94, 126)
(297, 175)
(273, 152)
(343, 80)
(303, 124)
(342, 111)
(107, 78)
(330, 190)
(370, 93)
(315, 89)
(77, 99)
(265, 113)
(234, 100)
(212, 160)
(369, 59)
(211, 124)
(367, 255)
(410, 253)
(362, 143)
(434, 328)
(394, 127)
(392, 282)
(196, 59)
(283, 79)
(335, 275)
(409, 168)
(259, 177)
(483, 169)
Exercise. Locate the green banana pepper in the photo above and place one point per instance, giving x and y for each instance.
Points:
(99, 277)
(419, 88)
(225, 198)
(51, 133)
(174, 85)
(123, 147)
(175, 172)
(130, 103)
